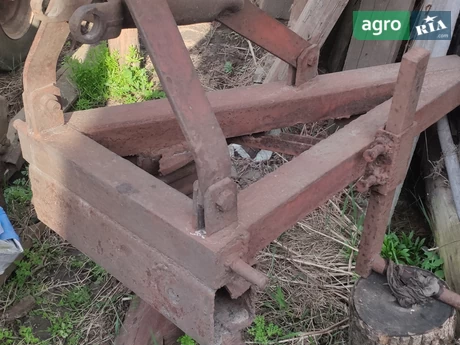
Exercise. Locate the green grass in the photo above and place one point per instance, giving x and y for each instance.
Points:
(264, 333)
(186, 340)
(101, 78)
(408, 250)
(18, 195)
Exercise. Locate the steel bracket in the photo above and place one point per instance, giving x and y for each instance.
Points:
(107, 19)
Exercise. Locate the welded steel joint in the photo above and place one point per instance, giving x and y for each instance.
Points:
(378, 160)
(307, 65)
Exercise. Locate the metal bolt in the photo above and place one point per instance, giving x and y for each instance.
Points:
(312, 59)
(364, 185)
(51, 102)
(371, 155)
(225, 201)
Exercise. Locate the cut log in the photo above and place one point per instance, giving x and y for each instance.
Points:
(315, 23)
(373, 53)
(279, 9)
(377, 319)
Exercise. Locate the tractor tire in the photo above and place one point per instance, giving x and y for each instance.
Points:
(17, 31)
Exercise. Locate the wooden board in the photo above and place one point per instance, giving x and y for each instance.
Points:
(296, 10)
(279, 9)
(444, 221)
(336, 47)
(314, 24)
(373, 53)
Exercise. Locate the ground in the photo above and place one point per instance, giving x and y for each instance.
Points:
(68, 299)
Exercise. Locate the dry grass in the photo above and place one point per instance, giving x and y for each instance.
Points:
(77, 302)
(310, 266)
(11, 88)
(222, 46)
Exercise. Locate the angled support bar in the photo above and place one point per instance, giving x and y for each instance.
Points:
(191, 106)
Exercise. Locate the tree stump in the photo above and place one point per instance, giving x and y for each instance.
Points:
(377, 319)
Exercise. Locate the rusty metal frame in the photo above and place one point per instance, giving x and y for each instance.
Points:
(180, 255)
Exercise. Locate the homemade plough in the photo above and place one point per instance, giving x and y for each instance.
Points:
(192, 260)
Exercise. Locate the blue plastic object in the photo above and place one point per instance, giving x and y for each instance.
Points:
(8, 230)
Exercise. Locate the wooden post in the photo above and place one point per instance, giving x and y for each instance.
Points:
(336, 46)
(373, 53)
(443, 217)
(278, 9)
(128, 38)
(296, 11)
(377, 319)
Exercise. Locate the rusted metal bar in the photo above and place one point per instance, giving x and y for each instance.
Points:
(171, 263)
(449, 297)
(41, 96)
(398, 138)
(182, 86)
(331, 165)
(260, 28)
(272, 143)
(132, 197)
(259, 108)
(133, 261)
(191, 106)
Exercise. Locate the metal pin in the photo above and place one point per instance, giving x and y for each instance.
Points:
(249, 273)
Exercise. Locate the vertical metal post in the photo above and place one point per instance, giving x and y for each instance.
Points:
(397, 143)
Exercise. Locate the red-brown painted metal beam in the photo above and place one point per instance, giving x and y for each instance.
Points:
(183, 88)
(151, 126)
(149, 208)
(133, 261)
(298, 187)
(392, 164)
